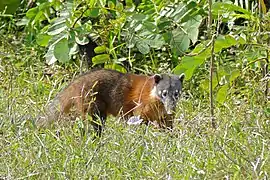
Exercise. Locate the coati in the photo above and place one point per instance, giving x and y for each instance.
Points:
(104, 92)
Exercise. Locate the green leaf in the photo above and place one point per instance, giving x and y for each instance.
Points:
(234, 75)
(188, 65)
(111, 5)
(192, 28)
(150, 26)
(11, 6)
(82, 40)
(32, 12)
(158, 42)
(92, 3)
(116, 67)
(99, 59)
(139, 17)
(43, 39)
(50, 58)
(61, 50)
(267, 111)
(94, 12)
(57, 27)
(224, 42)
(204, 84)
(100, 49)
(119, 7)
(223, 7)
(163, 25)
(222, 93)
(138, 27)
(73, 48)
(143, 47)
(39, 17)
(179, 42)
(178, 12)
(24, 21)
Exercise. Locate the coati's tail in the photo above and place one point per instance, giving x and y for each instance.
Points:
(50, 114)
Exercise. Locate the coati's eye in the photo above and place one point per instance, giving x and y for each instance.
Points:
(164, 93)
(176, 94)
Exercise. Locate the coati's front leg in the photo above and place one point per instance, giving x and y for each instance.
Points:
(96, 125)
(156, 114)
(167, 122)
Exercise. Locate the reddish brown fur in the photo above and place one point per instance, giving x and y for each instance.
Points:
(138, 101)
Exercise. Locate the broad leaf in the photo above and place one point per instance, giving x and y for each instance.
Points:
(224, 42)
(32, 12)
(82, 40)
(111, 5)
(61, 50)
(223, 7)
(58, 26)
(43, 39)
(222, 93)
(50, 58)
(179, 42)
(204, 84)
(143, 47)
(150, 26)
(188, 65)
(73, 48)
(192, 28)
(94, 12)
(139, 17)
(158, 42)
(234, 75)
(119, 6)
(164, 24)
(11, 6)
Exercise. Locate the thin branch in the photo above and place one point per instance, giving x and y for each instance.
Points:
(266, 73)
(211, 64)
(81, 15)
(209, 31)
(211, 83)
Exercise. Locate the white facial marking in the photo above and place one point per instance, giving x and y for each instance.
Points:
(153, 92)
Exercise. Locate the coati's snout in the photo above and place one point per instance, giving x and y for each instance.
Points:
(168, 89)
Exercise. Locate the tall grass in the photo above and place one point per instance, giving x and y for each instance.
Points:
(238, 149)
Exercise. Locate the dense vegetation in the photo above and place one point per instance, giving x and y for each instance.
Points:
(225, 55)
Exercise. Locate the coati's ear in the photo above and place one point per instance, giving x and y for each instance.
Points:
(157, 78)
(182, 77)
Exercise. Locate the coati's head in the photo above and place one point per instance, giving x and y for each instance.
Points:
(168, 89)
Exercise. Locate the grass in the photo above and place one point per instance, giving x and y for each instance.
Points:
(238, 149)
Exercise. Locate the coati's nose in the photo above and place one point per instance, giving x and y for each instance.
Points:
(169, 110)
(169, 106)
